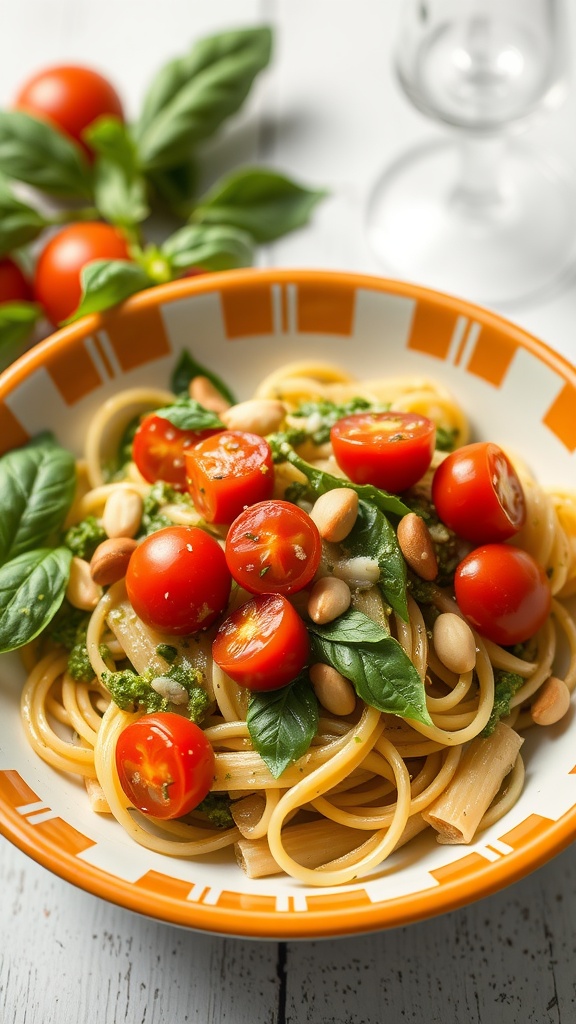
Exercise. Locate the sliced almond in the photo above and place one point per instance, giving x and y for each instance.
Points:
(257, 416)
(335, 513)
(110, 560)
(417, 547)
(122, 513)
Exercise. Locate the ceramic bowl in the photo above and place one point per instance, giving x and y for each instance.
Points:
(243, 324)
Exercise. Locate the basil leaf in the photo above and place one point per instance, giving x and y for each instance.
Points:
(374, 536)
(32, 588)
(210, 247)
(37, 485)
(33, 151)
(381, 673)
(353, 627)
(119, 196)
(110, 137)
(188, 414)
(187, 368)
(262, 202)
(19, 223)
(192, 96)
(282, 723)
(16, 322)
(105, 283)
(175, 187)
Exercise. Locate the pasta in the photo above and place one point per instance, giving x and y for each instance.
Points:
(370, 780)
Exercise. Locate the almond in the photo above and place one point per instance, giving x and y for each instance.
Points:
(203, 391)
(110, 560)
(122, 513)
(82, 590)
(552, 702)
(334, 692)
(335, 513)
(257, 416)
(329, 598)
(454, 643)
(417, 547)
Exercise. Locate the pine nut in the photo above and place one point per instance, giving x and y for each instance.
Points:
(335, 513)
(170, 689)
(552, 702)
(334, 692)
(202, 390)
(454, 643)
(82, 591)
(329, 598)
(122, 513)
(110, 560)
(257, 416)
(361, 571)
(417, 547)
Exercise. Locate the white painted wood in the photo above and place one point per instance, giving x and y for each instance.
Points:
(330, 113)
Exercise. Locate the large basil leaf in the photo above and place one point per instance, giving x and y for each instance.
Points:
(187, 414)
(19, 222)
(212, 247)
(34, 152)
(262, 202)
(175, 187)
(282, 723)
(105, 283)
(32, 588)
(187, 368)
(119, 187)
(16, 322)
(353, 627)
(37, 485)
(381, 672)
(193, 95)
(374, 536)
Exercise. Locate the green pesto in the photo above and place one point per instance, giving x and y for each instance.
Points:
(84, 537)
(131, 691)
(506, 685)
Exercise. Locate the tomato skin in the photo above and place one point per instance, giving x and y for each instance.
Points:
(158, 450)
(178, 581)
(227, 472)
(503, 592)
(478, 494)
(273, 547)
(391, 450)
(165, 764)
(263, 645)
(70, 97)
(57, 275)
(13, 285)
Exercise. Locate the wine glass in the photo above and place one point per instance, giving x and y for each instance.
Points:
(479, 214)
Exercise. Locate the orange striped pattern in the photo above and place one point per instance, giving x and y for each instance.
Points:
(12, 433)
(139, 338)
(252, 902)
(164, 885)
(247, 311)
(73, 372)
(432, 330)
(338, 900)
(459, 869)
(561, 417)
(15, 792)
(326, 308)
(492, 356)
(531, 828)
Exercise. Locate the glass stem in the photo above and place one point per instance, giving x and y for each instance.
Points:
(480, 190)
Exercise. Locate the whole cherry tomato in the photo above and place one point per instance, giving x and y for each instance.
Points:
(227, 472)
(503, 592)
(273, 547)
(159, 447)
(177, 580)
(57, 276)
(165, 764)
(391, 450)
(70, 97)
(477, 493)
(263, 645)
(13, 285)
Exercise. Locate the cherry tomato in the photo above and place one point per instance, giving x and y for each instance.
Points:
(273, 547)
(13, 285)
(70, 97)
(391, 450)
(57, 276)
(503, 592)
(227, 472)
(165, 764)
(477, 493)
(177, 580)
(263, 645)
(158, 450)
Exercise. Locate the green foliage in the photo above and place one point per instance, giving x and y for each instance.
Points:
(282, 723)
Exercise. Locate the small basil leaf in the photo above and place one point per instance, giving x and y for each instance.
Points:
(210, 247)
(187, 414)
(353, 627)
(193, 96)
(110, 137)
(374, 536)
(119, 195)
(34, 152)
(16, 322)
(175, 187)
(381, 673)
(262, 202)
(187, 368)
(37, 485)
(19, 222)
(282, 723)
(32, 588)
(105, 283)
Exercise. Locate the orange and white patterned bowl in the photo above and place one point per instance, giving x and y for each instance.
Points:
(243, 324)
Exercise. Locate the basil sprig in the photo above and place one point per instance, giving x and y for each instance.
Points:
(217, 247)
(36, 153)
(32, 588)
(19, 222)
(282, 723)
(120, 189)
(188, 414)
(374, 662)
(108, 282)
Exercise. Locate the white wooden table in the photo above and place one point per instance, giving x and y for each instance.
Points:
(329, 113)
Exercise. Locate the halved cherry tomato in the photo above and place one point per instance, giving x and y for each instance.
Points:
(13, 285)
(503, 592)
(178, 580)
(263, 645)
(391, 450)
(165, 764)
(273, 547)
(71, 97)
(478, 494)
(227, 472)
(158, 450)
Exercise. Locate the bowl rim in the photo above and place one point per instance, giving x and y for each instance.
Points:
(483, 880)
